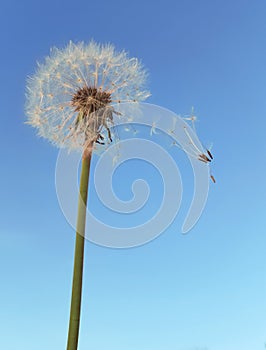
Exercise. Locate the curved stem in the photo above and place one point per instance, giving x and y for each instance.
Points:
(73, 331)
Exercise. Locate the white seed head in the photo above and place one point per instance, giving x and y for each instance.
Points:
(71, 96)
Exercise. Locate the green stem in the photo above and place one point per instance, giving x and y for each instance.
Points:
(73, 331)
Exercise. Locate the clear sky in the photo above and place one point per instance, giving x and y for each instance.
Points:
(204, 290)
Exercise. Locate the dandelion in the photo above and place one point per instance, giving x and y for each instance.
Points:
(70, 101)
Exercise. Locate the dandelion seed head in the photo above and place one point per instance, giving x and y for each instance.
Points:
(70, 98)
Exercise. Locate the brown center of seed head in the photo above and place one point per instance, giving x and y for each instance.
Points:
(89, 99)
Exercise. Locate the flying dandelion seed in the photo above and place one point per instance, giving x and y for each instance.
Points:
(192, 118)
(70, 101)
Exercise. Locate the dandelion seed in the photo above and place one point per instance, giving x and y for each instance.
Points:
(195, 149)
(153, 128)
(195, 152)
(116, 159)
(172, 130)
(192, 117)
(213, 179)
(209, 154)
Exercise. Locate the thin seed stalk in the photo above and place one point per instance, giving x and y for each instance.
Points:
(73, 331)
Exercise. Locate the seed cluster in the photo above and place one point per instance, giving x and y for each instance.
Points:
(69, 98)
(89, 99)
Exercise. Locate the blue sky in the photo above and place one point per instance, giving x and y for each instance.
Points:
(204, 290)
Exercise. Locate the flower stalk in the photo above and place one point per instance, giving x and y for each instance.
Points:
(74, 320)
